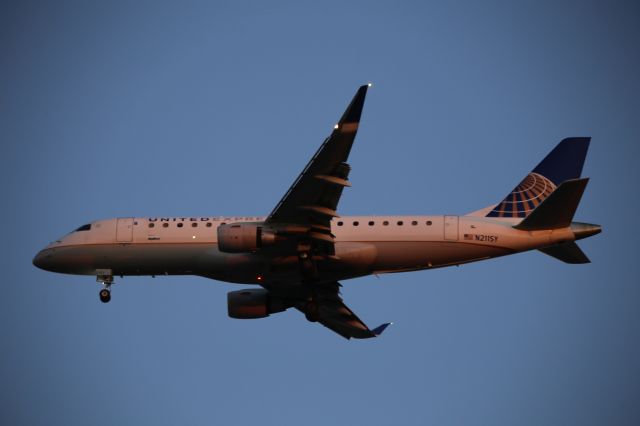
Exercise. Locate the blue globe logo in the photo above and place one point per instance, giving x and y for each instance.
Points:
(525, 197)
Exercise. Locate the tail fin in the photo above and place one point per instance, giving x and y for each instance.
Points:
(563, 163)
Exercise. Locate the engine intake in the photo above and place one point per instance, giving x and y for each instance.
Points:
(253, 303)
(244, 237)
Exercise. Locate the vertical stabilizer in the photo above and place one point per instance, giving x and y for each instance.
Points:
(563, 163)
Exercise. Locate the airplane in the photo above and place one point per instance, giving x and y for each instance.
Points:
(300, 252)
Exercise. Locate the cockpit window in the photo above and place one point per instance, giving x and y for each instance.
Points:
(84, 228)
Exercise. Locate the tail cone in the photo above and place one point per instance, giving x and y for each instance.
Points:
(584, 230)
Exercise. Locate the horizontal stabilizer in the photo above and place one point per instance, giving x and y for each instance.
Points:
(568, 252)
(557, 210)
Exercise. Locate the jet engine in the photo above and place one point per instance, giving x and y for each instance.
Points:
(244, 237)
(253, 303)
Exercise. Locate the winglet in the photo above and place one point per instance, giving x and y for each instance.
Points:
(379, 329)
(354, 110)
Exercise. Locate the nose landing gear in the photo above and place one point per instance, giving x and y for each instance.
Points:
(105, 293)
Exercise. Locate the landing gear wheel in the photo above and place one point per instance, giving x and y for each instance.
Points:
(311, 312)
(105, 295)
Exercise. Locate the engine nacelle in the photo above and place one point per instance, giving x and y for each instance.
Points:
(253, 303)
(244, 237)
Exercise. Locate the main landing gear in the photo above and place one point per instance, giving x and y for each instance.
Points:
(311, 311)
(105, 293)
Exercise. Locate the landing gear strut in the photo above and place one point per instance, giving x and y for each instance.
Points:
(308, 268)
(105, 293)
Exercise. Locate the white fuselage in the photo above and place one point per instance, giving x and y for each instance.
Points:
(363, 245)
(301, 251)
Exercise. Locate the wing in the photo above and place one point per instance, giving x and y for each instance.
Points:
(305, 213)
(312, 201)
(329, 310)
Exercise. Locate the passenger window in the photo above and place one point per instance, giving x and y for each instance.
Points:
(371, 223)
(208, 224)
(340, 223)
(429, 223)
(414, 223)
(151, 225)
(194, 224)
(165, 225)
(356, 223)
(385, 223)
(180, 225)
(400, 223)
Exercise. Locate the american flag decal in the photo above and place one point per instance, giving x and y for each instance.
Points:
(468, 236)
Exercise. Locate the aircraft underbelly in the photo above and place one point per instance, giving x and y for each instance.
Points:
(409, 255)
(353, 260)
(128, 259)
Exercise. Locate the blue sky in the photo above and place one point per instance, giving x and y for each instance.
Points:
(206, 108)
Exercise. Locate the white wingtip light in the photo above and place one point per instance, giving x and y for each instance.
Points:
(336, 126)
(369, 84)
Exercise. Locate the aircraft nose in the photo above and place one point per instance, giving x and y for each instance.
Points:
(42, 260)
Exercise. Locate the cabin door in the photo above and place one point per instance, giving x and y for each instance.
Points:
(124, 230)
(451, 228)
